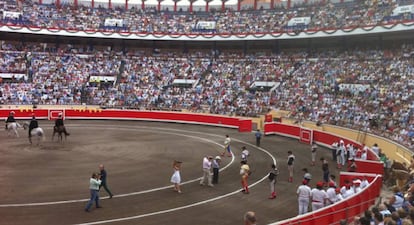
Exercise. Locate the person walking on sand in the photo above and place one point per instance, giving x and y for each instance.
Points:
(94, 183)
(216, 169)
(206, 179)
(290, 162)
(244, 172)
(227, 148)
(103, 175)
(258, 136)
(272, 180)
(176, 177)
(314, 147)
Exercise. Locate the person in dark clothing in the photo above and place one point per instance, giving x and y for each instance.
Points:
(216, 169)
(258, 136)
(103, 179)
(59, 123)
(325, 169)
(33, 124)
(10, 118)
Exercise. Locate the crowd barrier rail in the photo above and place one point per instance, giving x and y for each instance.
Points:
(332, 214)
(371, 169)
(242, 124)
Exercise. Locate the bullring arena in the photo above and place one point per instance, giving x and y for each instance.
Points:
(48, 184)
(142, 83)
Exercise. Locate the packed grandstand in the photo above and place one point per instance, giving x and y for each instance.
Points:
(363, 87)
(301, 15)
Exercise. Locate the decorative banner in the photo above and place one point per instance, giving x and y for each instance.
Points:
(114, 22)
(11, 15)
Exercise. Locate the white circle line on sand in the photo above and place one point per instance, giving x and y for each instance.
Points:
(185, 206)
(172, 209)
(126, 194)
(189, 205)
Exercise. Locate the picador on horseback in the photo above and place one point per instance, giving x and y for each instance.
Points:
(59, 123)
(10, 119)
(33, 124)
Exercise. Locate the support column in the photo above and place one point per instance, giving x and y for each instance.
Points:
(175, 5)
(143, 4)
(191, 5)
(159, 5)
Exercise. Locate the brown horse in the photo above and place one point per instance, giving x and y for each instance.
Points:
(401, 177)
(399, 173)
(60, 130)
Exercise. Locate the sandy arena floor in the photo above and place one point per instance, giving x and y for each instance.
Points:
(48, 184)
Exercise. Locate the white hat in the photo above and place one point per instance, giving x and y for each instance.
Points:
(218, 158)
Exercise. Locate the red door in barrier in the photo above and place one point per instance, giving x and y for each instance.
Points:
(306, 135)
(268, 118)
(54, 113)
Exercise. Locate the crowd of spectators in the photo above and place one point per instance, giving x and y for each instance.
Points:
(396, 206)
(349, 14)
(367, 89)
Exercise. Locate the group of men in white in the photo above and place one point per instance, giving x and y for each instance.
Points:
(342, 153)
(318, 197)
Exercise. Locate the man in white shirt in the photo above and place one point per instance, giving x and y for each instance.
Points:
(339, 196)
(331, 193)
(357, 185)
(304, 195)
(319, 197)
(364, 183)
(375, 148)
(227, 142)
(245, 154)
(348, 191)
(206, 179)
(290, 163)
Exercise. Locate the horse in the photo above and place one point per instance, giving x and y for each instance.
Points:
(401, 177)
(60, 130)
(398, 173)
(37, 132)
(12, 129)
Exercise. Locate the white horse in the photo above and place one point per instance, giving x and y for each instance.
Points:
(37, 133)
(12, 129)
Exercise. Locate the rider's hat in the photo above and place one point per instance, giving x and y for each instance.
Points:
(12, 112)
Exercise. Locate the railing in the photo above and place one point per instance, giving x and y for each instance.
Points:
(345, 209)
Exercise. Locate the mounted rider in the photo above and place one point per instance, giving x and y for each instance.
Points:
(10, 119)
(59, 123)
(33, 124)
